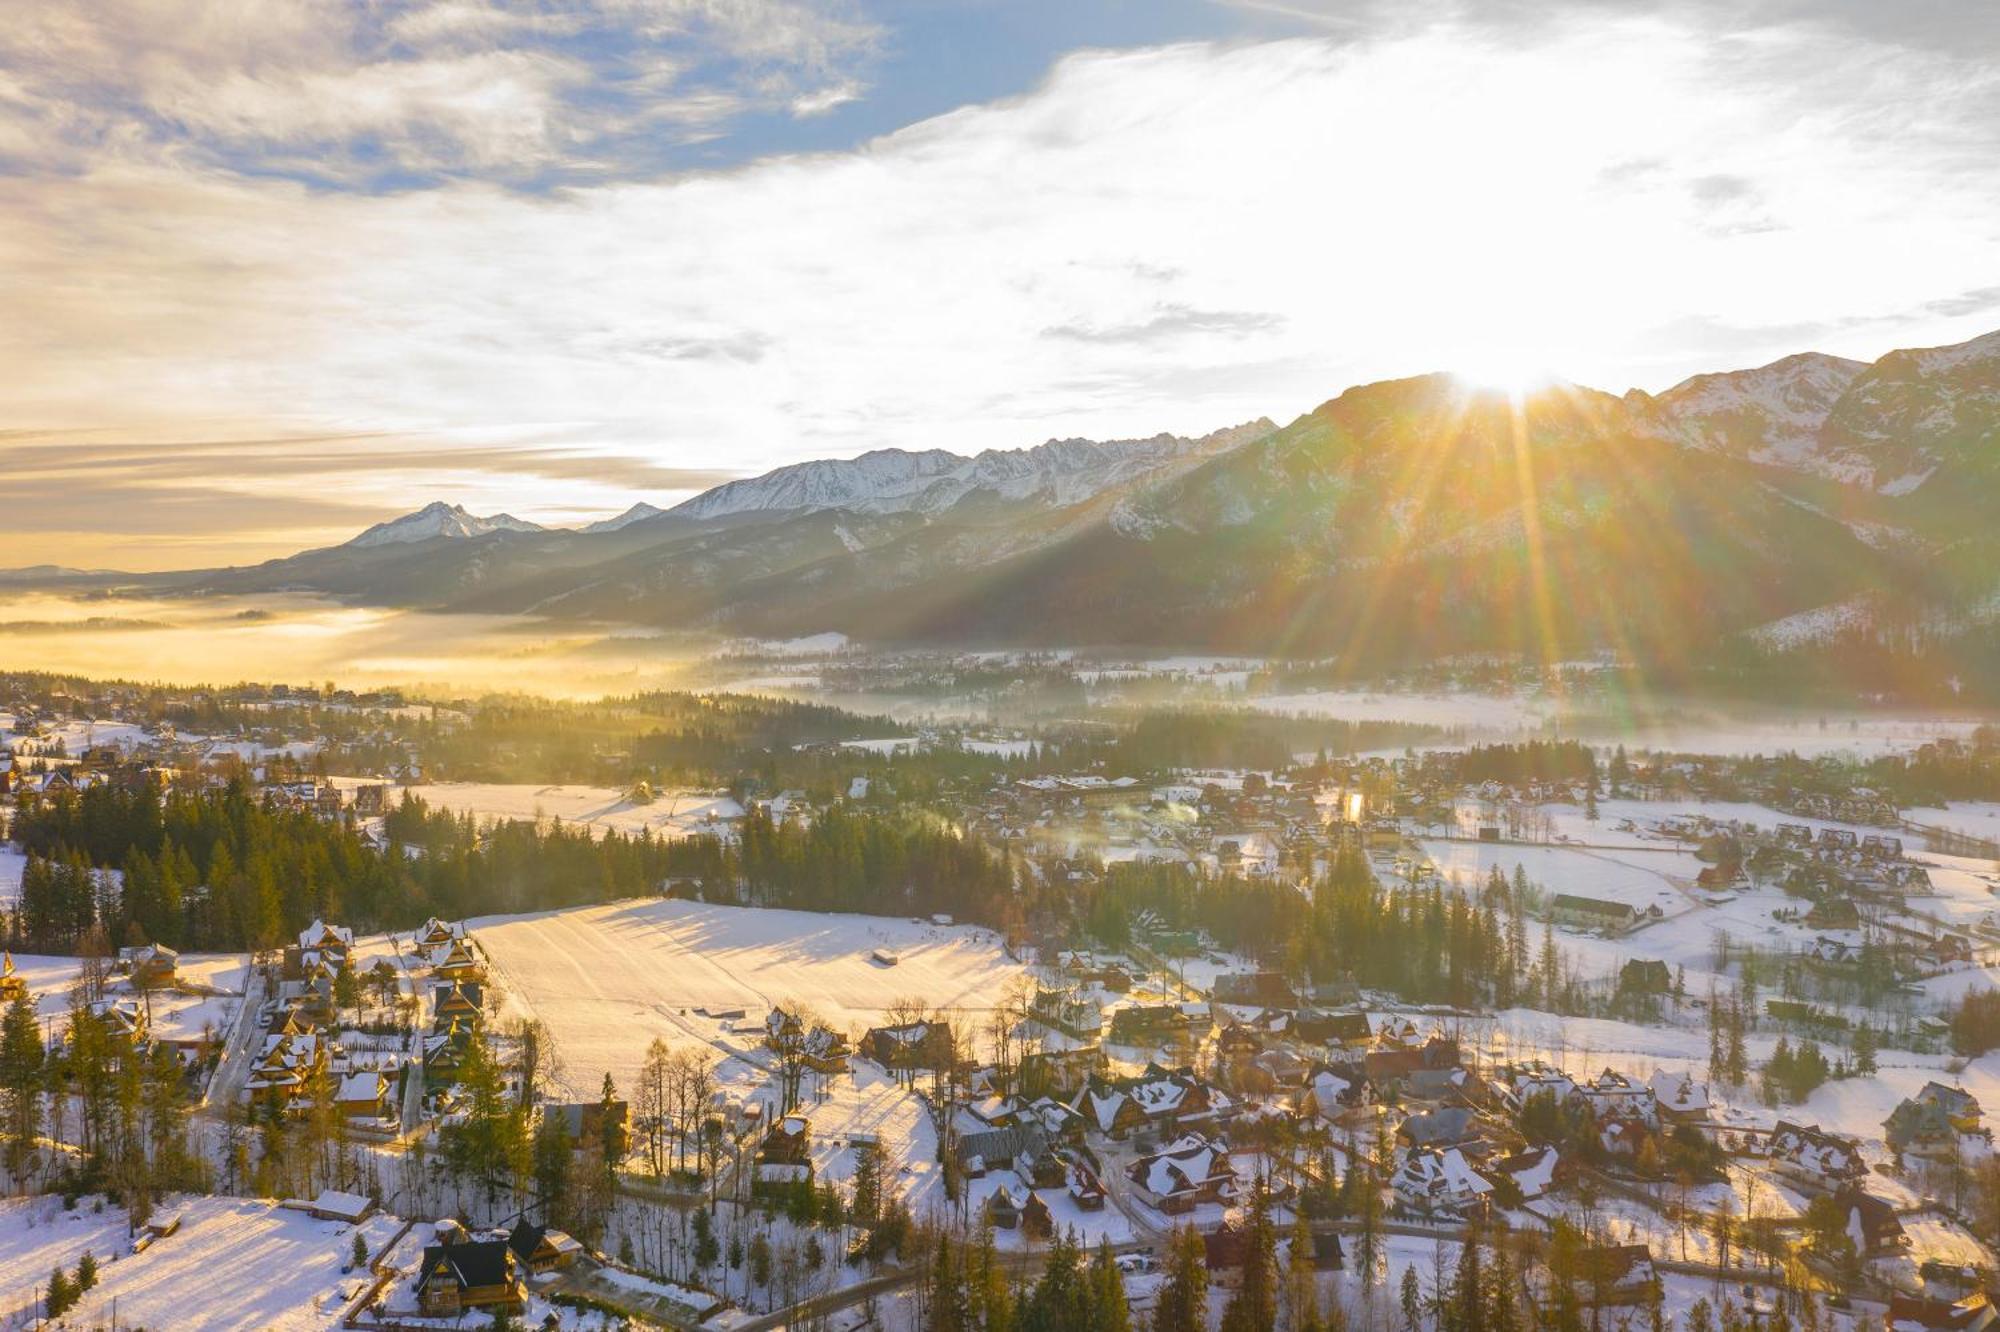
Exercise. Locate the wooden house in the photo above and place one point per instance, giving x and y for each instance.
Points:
(541, 1249)
(13, 985)
(475, 1274)
(910, 1045)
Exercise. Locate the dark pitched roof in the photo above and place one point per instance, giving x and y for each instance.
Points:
(473, 1263)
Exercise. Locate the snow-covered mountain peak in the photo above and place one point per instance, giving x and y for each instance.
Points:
(1057, 473)
(1771, 414)
(439, 519)
(638, 513)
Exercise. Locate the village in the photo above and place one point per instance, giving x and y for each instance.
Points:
(1719, 1060)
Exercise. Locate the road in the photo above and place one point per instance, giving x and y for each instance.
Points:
(225, 1087)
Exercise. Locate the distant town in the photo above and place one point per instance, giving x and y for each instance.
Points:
(738, 1012)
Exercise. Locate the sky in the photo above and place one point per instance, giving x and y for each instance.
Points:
(272, 270)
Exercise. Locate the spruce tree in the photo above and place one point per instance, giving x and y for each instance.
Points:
(1183, 1305)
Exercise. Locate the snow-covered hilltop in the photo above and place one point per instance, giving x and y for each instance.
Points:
(439, 519)
(638, 513)
(1884, 426)
(1058, 473)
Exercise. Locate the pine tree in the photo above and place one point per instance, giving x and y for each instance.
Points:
(86, 1271)
(1253, 1306)
(21, 1066)
(1503, 1312)
(1183, 1305)
(1468, 1293)
(61, 1295)
(1413, 1301)
(1108, 1309)
(1302, 1284)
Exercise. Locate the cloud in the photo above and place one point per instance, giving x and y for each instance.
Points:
(407, 91)
(1168, 238)
(1172, 321)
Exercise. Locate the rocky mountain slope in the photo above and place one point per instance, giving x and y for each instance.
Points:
(1398, 521)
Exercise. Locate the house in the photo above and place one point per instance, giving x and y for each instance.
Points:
(1623, 1136)
(1813, 1158)
(334, 942)
(445, 1050)
(1920, 1128)
(1349, 1031)
(1915, 1313)
(1019, 1148)
(820, 1047)
(1514, 1086)
(1150, 1025)
(787, 1142)
(1085, 1191)
(1058, 1072)
(1533, 1172)
(1594, 913)
(585, 1125)
(13, 985)
(1188, 1172)
(1452, 1126)
(1834, 913)
(474, 1274)
(909, 1045)
(1959, 1105)
(152, 966)
(1612, 1095)
(1680, 1099)
(459, 963)
(1036, 1220)
(287, 1067)
(1619, 1273)
(1067, 1012)
(334, 1205)
(1333, 1089)
(1397, 1063)
(436, 933)
(541, 1249)
(1871, 1224)
(1159, 1098)
(363, 1094)
(1254, 989)
(460, 1003)
(1439, 1183)
(1109, 1110)
(1002, 1211)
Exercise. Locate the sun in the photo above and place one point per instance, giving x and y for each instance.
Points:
(1515, 371)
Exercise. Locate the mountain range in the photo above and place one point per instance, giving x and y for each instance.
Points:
(1399, 521)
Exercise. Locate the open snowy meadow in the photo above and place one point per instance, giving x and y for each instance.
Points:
(607, 979)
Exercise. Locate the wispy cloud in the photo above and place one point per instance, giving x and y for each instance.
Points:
(408, 91)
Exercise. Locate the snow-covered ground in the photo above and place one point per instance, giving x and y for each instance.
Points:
(1485, 712)
(608, 979)
(1653, 876)
(1976, 818)
(174, 1015)
(671, 813)
(234, 1263)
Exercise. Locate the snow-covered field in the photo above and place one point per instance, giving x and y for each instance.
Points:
(608, 979)
(234, 1263)
(1653, 876)
(1485, 712)
(1976, 818)
(671, 813)
(175, 1016)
